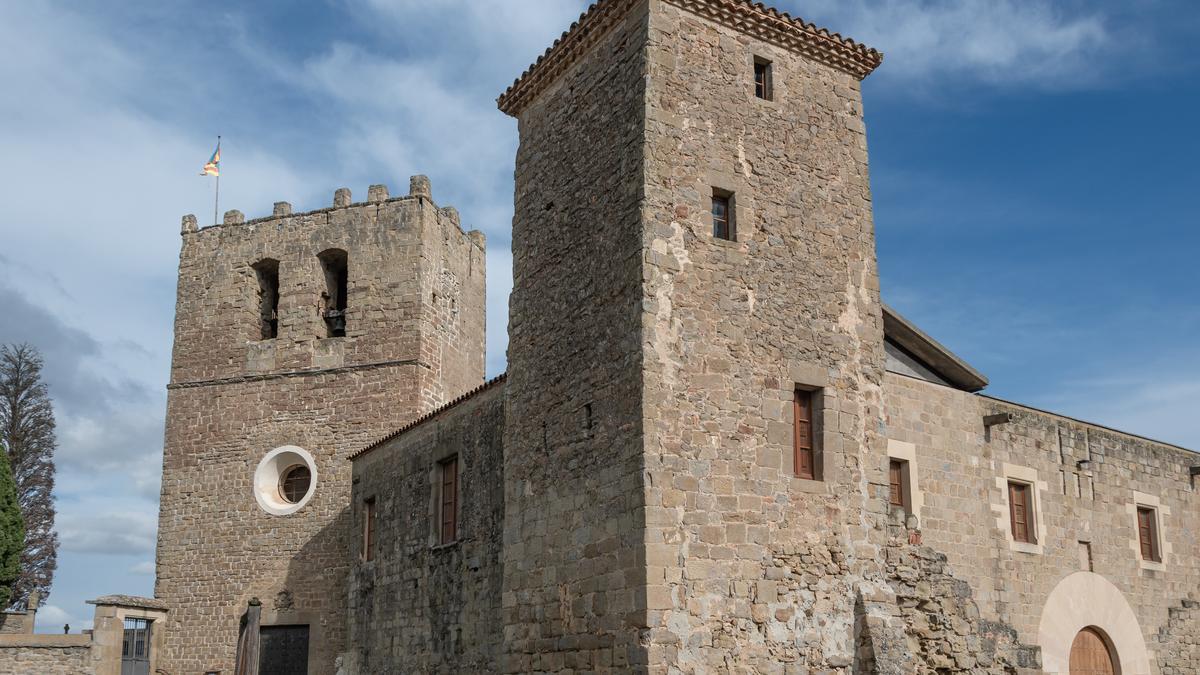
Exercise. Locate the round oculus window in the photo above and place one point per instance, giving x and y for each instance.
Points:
(294, 483)
(285, 480)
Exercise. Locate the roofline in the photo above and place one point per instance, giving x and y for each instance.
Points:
(1051, 413)
(940, 359)
(432, 414)
(765, 23)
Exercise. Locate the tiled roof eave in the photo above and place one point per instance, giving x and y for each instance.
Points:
(764, 23)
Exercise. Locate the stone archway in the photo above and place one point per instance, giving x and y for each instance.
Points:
(1086, 600)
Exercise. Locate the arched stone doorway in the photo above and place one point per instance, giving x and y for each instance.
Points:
(1091, 654)
(1087, 600)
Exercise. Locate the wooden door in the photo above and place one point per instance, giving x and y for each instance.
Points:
(284, 650)
(1090, 654)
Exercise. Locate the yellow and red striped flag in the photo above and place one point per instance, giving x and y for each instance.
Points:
(213, 167)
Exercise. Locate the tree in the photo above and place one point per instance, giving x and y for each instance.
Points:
(12, 536)
(27, 434)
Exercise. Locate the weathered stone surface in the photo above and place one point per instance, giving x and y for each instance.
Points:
(414, 339)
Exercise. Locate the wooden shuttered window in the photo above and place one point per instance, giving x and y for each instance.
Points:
(805, 456)
(368, 552)
(896, 486)
(722, 215)
(763, 87)
(1148, 534)
(449, 501)
(1020, 512)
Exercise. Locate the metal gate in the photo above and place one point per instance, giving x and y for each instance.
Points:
(284, 650)
(135, 647)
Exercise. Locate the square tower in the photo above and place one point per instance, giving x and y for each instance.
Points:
(696, 343)
(299, 338)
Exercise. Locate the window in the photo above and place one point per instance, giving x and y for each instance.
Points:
(334, 263)
(1147, 521)
(368, 552)
(268, 298)
(898, 484)
(294, 482)
(449, 501)
(723, 215)
(763, 86)
(1020, 511)
(804, 447)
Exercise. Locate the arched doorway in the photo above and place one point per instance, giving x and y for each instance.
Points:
(1091, 654)
(1083, 601)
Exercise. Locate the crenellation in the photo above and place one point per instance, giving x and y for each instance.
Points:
(376, 194)
(341, 197)
(234, 217)
(419, 186)
(188, 224)
(281, 209)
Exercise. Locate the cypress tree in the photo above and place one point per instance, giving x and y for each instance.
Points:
(12, 533)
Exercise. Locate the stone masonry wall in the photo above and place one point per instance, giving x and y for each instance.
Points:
(414, 338)
(47, 655)
(573, 518)
(1179, 640)
(732, 328)
(419, 606)
(1086, 511)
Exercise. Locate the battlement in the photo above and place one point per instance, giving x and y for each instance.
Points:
(419, 191)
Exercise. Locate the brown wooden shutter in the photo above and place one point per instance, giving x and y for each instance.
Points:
(1147, 534)
(1019, 512)
(805, 460)
(896, 483)
(449, 500)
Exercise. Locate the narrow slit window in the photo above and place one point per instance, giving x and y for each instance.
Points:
(267, 272)
(723, 215)
(804, 447)
(1020, 511)
(335, 265)
(368, 552)
(449, 501)
(763, 86)
(1148, 534)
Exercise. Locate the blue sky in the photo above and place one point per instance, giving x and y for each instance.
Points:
(1032, 164)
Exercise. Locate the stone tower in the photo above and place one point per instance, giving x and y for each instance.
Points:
(656, 368)
(299, 338)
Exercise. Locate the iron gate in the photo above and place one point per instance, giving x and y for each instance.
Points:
(135, 648)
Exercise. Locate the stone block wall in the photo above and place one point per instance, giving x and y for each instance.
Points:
(573, 518)
(1085, 511)
(47, 655)
(414, 339)
(733, 328)
(419, 605)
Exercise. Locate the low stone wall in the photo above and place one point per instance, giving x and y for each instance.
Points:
(1179, 640)
(46, 655)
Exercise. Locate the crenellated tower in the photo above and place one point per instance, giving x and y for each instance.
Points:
(299, 338)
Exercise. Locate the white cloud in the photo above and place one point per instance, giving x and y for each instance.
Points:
(146, 567)
(52, 618)
(996, 41)
(95, 528)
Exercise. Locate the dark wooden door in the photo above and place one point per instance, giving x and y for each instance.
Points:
(284, 650)
(1090, 654)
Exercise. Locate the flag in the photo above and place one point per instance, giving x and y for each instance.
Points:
(213, 168)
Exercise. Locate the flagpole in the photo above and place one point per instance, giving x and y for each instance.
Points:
(217, 192)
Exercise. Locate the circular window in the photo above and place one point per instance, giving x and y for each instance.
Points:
(285, 480)
(293, 485)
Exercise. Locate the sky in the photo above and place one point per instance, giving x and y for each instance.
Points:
(1032, 166)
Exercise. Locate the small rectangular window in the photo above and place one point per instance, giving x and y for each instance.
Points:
(1020, 511)
(449, 501)
(1148, 534)
(722, 215)
(897, 485)
(763, 87)
(267, 272)
(803, 439)
(368, 552)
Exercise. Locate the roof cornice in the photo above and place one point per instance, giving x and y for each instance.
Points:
(755, 19)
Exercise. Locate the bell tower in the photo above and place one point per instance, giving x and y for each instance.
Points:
(299, 338)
